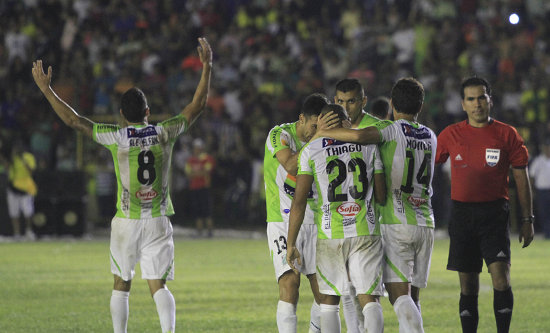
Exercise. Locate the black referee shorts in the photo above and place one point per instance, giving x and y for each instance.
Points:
(478, 231)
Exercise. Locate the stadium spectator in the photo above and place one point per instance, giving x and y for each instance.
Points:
(481, 151)
(349, 246)
(199, 168)
(380, 108)
(539, 172)
(141, 229)
(21, 189)
(407, 222)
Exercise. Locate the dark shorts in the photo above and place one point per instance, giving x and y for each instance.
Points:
(478, 231)
(200, 203)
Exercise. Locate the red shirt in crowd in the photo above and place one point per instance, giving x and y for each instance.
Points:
(481, 159)
(199, 170)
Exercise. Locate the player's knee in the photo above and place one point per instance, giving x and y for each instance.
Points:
(121, 285)
(289, 285)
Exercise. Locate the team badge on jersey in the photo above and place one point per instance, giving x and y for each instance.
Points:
(492, 156)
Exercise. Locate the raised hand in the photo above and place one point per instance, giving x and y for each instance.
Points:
(205, 51)
(41, 79)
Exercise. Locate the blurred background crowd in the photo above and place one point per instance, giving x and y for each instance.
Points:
(268, 55)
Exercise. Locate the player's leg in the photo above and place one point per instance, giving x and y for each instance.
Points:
(123, 254)
(365, 272)
(399, 259)
(119, 304)
(157, 267)
(330, 314)
(288, 281)
(503, 298)
(289, 286)
(166, 305)
(315, 313)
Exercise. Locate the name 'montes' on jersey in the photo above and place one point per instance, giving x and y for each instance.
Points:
(141, 156)
(408, 153)
(343, 177)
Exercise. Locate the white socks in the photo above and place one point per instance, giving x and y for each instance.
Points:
(350, 312)
(408, 315)
(166, 308)
(374, 319)
(119, 310)
(330, 318)
(315, 318)
(286, 317)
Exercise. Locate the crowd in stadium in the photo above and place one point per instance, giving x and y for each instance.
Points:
(269, 55)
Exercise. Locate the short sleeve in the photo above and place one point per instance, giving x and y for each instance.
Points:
(174, 127)
(387, 132)
(519, 156)
(442, 153)
(304, 166)
(279, 139)
(106, 134)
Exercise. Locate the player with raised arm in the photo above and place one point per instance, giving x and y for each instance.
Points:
(140, 230)
(407, 223)
(349, 248)
(282, 147)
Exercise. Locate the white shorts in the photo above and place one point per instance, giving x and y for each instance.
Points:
(20, 204)
(408, 253)
(147, 241)
(360, 257)
(277, 233)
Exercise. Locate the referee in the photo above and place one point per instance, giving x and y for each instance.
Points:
(481, 151)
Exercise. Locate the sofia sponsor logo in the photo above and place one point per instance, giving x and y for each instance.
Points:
(416, 201)
(348, 209)
(145, 195)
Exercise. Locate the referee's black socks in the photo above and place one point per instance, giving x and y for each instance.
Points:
(503, 304)
(469, 316)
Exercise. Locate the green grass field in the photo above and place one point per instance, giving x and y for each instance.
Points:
(226, 285)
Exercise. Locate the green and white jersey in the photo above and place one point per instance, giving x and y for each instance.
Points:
(279, 185)
(142, 155)
(367, 120)
(343, 176)
(408, 152)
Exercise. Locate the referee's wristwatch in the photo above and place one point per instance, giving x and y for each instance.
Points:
(528, 219)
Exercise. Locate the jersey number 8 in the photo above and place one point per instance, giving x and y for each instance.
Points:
(146, 170)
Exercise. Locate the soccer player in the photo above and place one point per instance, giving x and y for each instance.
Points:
(407, 222)
(349, 246)
(141, 153)
(282, 147)
(351, 96)
(482, 150)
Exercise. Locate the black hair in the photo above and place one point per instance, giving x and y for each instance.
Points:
(380, 107)
(347, 85)
(407, 95)
(313, 104)
(475, 81)
(336, 108)
(133, 104)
